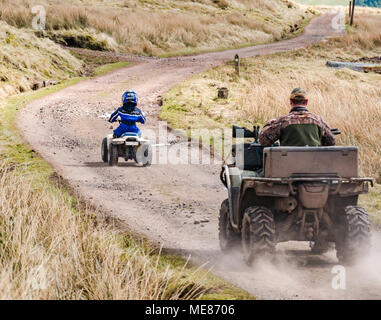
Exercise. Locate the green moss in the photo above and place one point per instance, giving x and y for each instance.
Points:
(109, 67)
(97, 64)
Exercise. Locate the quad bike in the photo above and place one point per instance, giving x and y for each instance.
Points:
(280, 194)
(129, 146)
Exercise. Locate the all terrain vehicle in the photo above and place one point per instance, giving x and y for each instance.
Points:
(129, 146)
(280, 194)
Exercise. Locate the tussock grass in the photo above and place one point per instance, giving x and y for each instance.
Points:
(26, 59)
(365, 34)
(158, 27)
(346, 99)
(49, 252)
(148, 28)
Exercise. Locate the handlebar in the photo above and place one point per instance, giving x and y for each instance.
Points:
(335, 131)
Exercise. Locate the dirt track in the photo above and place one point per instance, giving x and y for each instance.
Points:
(163, 202)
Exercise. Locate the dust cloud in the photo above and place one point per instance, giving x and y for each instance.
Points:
(295, 273)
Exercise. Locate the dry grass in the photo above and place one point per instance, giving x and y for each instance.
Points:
(149, 27)
(157, 27)
(365, 34)
(347, 99)
(49, 252)
(26, 59)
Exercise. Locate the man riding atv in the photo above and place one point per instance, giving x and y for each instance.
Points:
(307, 189)
(299, 128)
(129, 115)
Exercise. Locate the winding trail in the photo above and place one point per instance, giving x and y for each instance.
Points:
(162, 202)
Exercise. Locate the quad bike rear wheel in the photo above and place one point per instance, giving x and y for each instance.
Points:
(113, 155)
(104, 150)
(258, 233)
(353, 241)
(229, 239)
(148, 156)
(144, 155)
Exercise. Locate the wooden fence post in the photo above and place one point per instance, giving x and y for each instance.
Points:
(223, 93)
(236, 63)
(350, 11)
(353, 11)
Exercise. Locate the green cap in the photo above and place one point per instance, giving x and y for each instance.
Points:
(298, 94)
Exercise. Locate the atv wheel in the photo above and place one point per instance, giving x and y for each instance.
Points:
(354, 240)
(258, 233)
(228, 238)
(144, 155)
(104, 150)
(113, 155)
(148, 156)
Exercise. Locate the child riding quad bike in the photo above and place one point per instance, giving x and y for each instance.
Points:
(126, 141)
(278, 194)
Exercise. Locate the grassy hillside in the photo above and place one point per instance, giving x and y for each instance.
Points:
(140, 27)
(26, 59)
(347, 99)
(153, 27)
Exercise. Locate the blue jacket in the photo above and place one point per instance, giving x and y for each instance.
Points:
(128, 118)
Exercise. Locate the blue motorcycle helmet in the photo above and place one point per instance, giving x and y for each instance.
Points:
(130, 98)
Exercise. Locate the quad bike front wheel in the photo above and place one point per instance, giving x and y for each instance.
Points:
(353, 240)
(104, 150)
(258, 233)
(229, 239)
(113, 155)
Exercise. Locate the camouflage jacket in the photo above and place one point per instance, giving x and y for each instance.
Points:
(272, 131)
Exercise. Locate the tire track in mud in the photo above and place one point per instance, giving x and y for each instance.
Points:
(173, 205)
